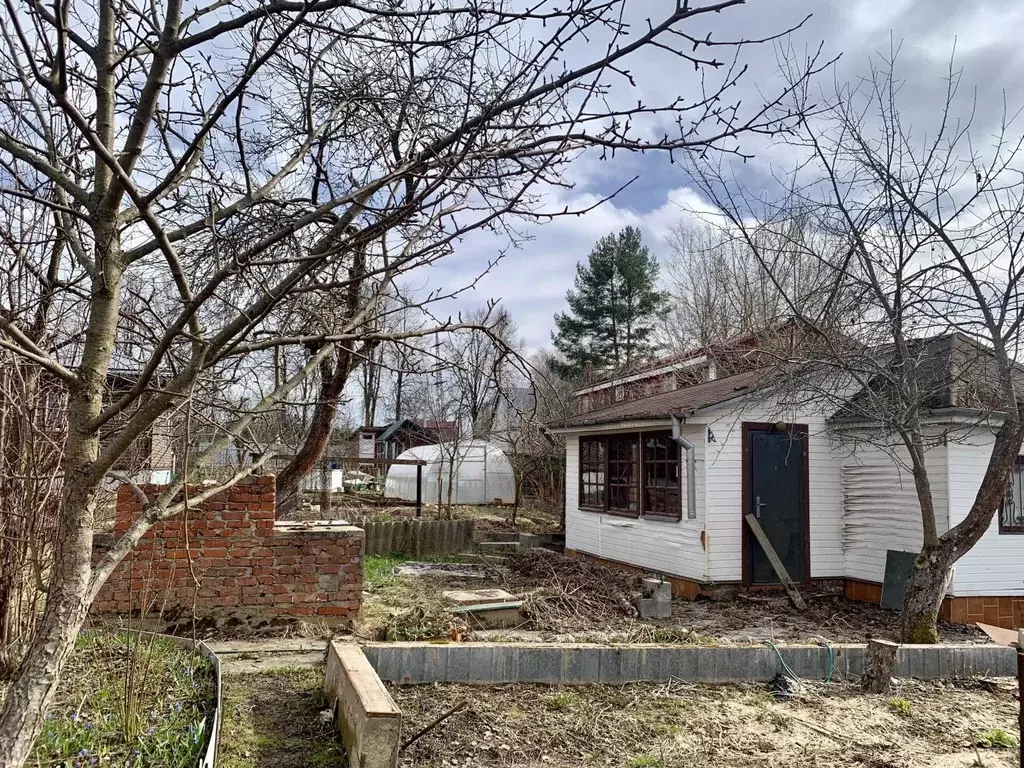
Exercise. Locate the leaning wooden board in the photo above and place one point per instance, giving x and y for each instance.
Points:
(773, 558)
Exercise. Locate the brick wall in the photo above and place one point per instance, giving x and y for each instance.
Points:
(233, 561)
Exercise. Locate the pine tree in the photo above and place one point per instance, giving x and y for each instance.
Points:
(613, 307)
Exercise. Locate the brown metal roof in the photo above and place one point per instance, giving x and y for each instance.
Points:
(677, 402)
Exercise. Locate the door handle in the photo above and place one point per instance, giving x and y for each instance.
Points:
(757, 506)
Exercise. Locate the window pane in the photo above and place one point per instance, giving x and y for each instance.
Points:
(624, 473)
(1011, 517)
(661, 475)
(592, 465)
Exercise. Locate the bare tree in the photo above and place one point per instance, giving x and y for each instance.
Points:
(480, 360)
(720, 290)
(212, 189)
(533, 397)
(920, 244)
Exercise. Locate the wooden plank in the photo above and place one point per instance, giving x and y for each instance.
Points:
(773, 558)
(998, 635)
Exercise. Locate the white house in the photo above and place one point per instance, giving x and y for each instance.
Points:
(663, 483)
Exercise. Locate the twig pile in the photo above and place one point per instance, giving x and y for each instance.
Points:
(562, 594)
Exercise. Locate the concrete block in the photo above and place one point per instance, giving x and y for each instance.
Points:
(540, 665)
(683, 664)
(528, 540)
(458, 664)
(657, 589)
(651, 608)
(369, 720)
(482, 663)
(581, 665)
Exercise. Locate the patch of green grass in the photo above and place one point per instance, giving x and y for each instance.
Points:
(671, 635)
(560, 701)
(645, 761)
(159, 717)
(379, 570)
(996, 738)
(273, 720)
(900, 706)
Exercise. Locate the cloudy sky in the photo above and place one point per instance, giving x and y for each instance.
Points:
(531, 281)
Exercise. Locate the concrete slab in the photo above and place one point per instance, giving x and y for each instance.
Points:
(491, 615)
(369, 720)
(478, 596)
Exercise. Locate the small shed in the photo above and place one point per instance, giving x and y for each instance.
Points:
(481, 473)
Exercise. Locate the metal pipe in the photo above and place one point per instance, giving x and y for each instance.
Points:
(691, 469)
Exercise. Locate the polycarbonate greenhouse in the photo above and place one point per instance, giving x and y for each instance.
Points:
(482, 474)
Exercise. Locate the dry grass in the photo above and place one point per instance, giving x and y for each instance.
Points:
(564, 595)
(658, 726)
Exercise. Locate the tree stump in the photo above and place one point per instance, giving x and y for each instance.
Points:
(879, 662)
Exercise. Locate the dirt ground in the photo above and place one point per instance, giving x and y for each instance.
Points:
(273, 720)
(574, 600)
(664, 726)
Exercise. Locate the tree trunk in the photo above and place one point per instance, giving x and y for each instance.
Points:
(67, 601)
(927, 584)
(925, 590)
(332, 384)
(66, 608)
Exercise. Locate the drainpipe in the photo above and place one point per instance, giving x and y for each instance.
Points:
(691, 471)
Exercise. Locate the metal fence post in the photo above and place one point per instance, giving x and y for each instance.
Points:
(419, 490)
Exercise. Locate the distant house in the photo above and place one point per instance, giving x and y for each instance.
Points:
(150, 457)
(667, 374)
(833, 504)
(389, 440)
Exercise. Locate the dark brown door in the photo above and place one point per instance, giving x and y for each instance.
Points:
(776, 464)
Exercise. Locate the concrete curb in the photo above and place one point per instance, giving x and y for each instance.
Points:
(576, 664)
(369, 721)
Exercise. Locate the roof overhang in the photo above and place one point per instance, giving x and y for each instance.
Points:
(614, 426)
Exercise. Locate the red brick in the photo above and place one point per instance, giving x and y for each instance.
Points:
(332, 610)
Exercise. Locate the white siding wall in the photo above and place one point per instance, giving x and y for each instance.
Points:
(670, 548)
(995, 566)
(882, 510)
(724, 472)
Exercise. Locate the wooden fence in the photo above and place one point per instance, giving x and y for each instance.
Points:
(419, 538)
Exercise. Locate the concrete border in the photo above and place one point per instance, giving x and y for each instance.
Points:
(209, 757)
(577, 664)
(369, 720)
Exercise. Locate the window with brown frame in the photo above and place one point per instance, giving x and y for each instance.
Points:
(623, 473)
(630, 474)
(1011, 515)
(592, 472)
(661, 476)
